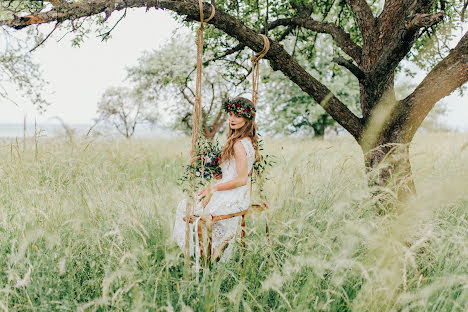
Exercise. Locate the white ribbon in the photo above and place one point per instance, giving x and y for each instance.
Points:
(196, 247)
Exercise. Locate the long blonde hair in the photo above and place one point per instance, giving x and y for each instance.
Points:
(249, 129)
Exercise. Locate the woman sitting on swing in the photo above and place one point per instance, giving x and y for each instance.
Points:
(230, 194)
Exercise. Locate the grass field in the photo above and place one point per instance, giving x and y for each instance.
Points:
(86, 225)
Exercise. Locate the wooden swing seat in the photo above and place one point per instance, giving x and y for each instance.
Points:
(208, 223)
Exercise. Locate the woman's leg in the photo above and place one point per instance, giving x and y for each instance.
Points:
(223, 237)
(218, 251)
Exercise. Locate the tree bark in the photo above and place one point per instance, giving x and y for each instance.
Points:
(388, 167)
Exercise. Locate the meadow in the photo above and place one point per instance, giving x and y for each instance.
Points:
(86, 224)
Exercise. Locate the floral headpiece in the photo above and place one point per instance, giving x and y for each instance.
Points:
(240, 107)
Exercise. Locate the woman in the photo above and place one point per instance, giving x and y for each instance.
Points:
(231, 193)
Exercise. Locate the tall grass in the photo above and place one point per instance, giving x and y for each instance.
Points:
(86, 225)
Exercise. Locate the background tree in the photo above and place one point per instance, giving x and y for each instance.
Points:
(125, 108)
(168, 75)
(18, 71)
(373, 39)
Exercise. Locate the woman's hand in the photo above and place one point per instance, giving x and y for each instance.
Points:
(205, 195)
(218, 176)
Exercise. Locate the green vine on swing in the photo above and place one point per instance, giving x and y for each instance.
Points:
(259, 168)
(207, 164)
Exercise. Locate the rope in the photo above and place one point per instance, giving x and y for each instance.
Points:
(196, 115)
(198, 86)
(256, 69)
(255, 80)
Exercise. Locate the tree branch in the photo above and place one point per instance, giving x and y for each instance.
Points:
(275, 24)
(186, 97)
(213, 96)
(237, 48)
(450, 74)
(462, 15)
(364, 18)
(356, 71)
(284, 34)
(107, 33)
(70, 11)
(399, 42)
(240, 47)
(46, 37)
(91, 7)
(425, 20)
(342, 38)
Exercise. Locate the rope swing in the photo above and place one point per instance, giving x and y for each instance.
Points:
(195, 134)
(208, 221)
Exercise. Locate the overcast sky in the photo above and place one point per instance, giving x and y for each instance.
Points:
(78, 76)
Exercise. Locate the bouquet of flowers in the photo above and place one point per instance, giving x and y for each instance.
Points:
(208, 158)
(206, 164)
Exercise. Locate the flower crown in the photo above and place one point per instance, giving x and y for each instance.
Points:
(240, 107)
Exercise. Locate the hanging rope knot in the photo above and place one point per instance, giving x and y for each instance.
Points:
(213, 11)
(261, 54)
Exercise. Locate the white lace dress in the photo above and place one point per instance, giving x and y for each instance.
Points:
(221, 203)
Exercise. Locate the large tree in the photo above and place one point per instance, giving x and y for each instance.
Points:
(374, 39)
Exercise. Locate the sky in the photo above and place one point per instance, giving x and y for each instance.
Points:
(78, 76)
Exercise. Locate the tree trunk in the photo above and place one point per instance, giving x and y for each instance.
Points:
(385, 141)
(319, 127)
(385, 145)
(388, 169)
